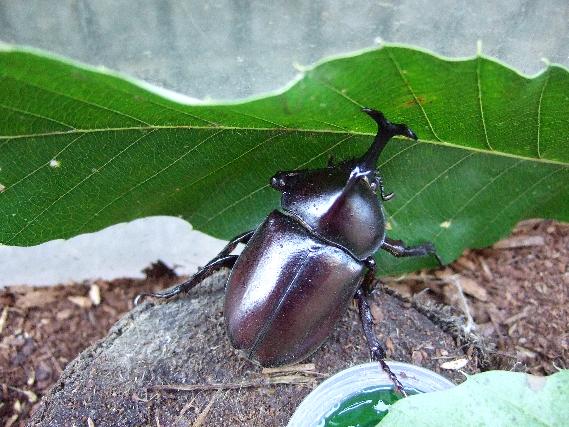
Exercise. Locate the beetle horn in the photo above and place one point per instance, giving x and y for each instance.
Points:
(385, 131)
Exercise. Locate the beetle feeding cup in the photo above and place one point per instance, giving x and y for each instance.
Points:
(328, 396)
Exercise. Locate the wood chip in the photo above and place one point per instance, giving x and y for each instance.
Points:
(64, 314)
(517, 316)
(203, 415)
(31, 378)
(526, 352)
(269, 381)
(466, 263)
(486, 270)
(302, 367)
(83, 302)
(455, 365)
(95, 294)
(519, 242)
(30, 395)
(444, 274)
(11, 420)
(472, 288)
(390, 347)
(402, 289)
(417, 357)
(37, 298)
(3, 318)
(376, 313)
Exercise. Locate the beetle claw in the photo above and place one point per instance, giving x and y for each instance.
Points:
(398, 386)
(439, 260)
(410, 134)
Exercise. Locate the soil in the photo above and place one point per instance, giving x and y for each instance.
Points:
(516, 294)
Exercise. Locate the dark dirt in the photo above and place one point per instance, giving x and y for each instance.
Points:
(518, 297)
(517, 293)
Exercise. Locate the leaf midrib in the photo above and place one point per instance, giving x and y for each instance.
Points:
(283, 129)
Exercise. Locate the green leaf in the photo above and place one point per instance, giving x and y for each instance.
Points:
(82, 149)
(495, 398)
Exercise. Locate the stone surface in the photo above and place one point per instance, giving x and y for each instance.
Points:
(183, 341)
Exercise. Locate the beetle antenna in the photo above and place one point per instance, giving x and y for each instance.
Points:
(385, 131)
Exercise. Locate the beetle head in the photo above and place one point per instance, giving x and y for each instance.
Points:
(282, 181)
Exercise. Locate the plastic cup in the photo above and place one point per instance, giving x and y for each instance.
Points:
(328, 396)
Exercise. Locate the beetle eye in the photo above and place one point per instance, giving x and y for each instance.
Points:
(373, 186)
(278, 182)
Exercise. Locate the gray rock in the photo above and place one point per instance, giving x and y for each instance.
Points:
(183, 342)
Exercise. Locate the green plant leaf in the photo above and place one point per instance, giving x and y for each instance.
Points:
(82, 149)
(495, 398)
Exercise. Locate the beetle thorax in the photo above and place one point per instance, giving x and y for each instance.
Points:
(352, 218)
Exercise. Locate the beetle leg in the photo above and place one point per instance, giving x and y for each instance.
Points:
(241, 238)
(369, 278)
(216, 264)
(384, 197)
(375, 347)
(223, 259)
(397, 248)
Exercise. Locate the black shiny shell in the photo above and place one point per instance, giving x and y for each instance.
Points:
(286, 291)
(353, 218)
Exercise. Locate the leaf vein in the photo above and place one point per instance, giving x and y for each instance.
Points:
(475, 195)
(187, 187)
(65, 194)
(79, 100)
(46, 163)
(291, 130)
(167, 107)
(36, 115)
(431, 182)
(238, 201)
(408, 85)
(252, 116)
(116, 199)
(480, 106)
(385, 162)
(338, 92)
(523, 193)
(539, 113)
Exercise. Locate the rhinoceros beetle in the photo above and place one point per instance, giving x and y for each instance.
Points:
(304, 264)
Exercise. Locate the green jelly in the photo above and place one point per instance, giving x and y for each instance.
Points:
(366, 408)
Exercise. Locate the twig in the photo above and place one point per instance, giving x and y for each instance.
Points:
(32, 397)
(283, 379)
(3, 318)
(54, 360)
(307, 368)
(418, 277)
(518, 316)
(202, 416)
(186, 407)
(469, 320)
